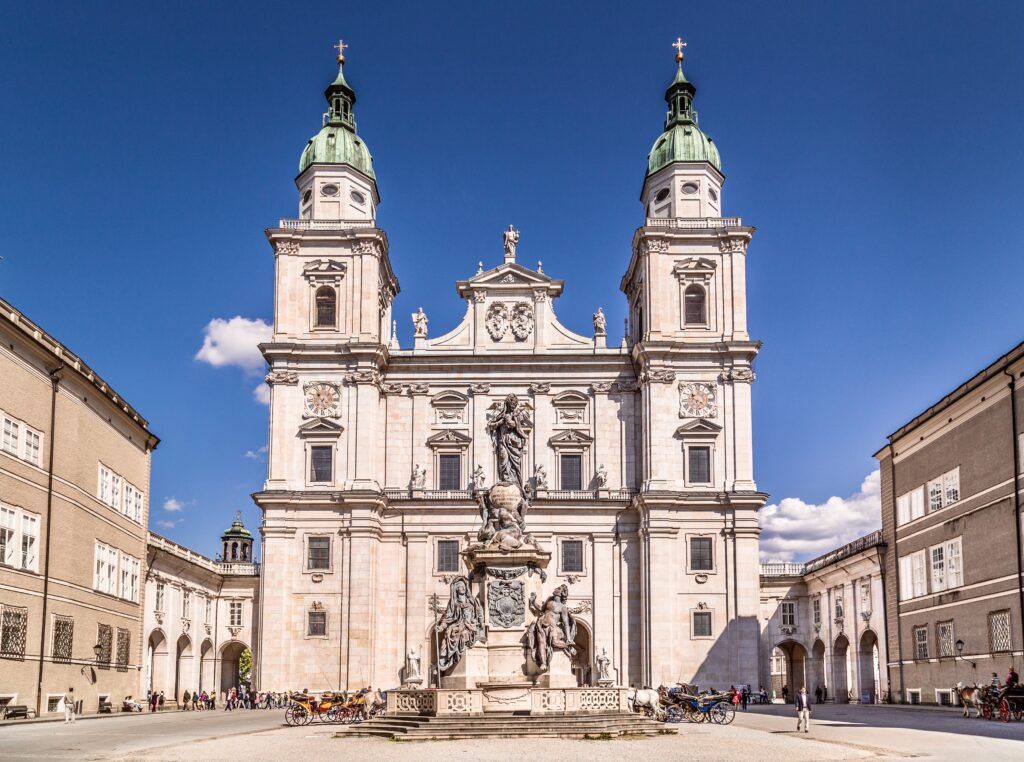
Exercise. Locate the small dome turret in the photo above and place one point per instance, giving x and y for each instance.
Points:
(236, 541)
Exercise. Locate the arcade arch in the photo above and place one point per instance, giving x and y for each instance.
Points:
(841, 682)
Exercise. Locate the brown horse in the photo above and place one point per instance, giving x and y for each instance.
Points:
(970, 696)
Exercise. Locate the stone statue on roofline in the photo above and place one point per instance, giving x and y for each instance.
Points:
(419, 324)
(600, 323)
(511, 241)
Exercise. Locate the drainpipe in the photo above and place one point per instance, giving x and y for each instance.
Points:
(1016, 492)
(54, 382)
(896, 557)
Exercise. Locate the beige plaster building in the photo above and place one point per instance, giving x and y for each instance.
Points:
(638, 459)
(74, 504)
(823, 624)
(951, 516)
(200, 615)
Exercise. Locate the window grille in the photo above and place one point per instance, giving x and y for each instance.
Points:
(571, 466)
(572, 556)
(700, 465)
(13, 631)
(944, 636)
(320, 463)
(447, 555)
(317, 624)
(450, 472)
(63, 638)
(920, 642)
(999, 631)
(104, 637)
(124, 645)
(318, 553)
(701, 558)
(702, 624)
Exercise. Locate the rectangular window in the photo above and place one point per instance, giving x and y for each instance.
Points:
(115, 491)
(317, 624)
(105, 639)
(447, 555)
(702, 624)
(701, 558)
(917, 503)
(935, 495)
(944, 638)
(788, 609)
(449, 472)
(699, 465)
(951, 484)
(125, 572)
(919, 578)
(816, 611)
(999, 631)
(159, 597)
(318, 553)
(938, 568)
(571, 471)
(63, 638)
(105, 571)
(903, 509)
(920, 642)
(33, 442)
(13, 631)
(321, 463)
(8, 522)
(954, 566)
(947, 571)
(133, 503)
(572, 556)
(12, 433)
(124, 647)
(235, 613)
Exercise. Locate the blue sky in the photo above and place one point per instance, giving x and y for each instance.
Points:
(876, 147)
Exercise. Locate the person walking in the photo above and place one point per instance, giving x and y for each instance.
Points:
(152, 701)
(817, 695)
(785, 694)
(69, 707)
(195, 701)
(744, 697)
(803, 710)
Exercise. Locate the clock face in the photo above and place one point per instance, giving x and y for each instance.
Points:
(322, 399)
(697, 400)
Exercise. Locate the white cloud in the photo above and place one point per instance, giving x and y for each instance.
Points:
(169, 524)
(234, 342)
(261, 394)
(792, 530)
(256, 454)
(173, 505)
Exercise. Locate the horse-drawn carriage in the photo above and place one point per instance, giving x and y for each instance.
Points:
(303, 708)
(1005, 704)
(684, 702)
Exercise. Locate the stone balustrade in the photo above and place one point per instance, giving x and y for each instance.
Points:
(694, 223)
(325, 224)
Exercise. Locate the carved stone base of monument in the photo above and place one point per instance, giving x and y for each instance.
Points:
(558, 675)
(471, 669)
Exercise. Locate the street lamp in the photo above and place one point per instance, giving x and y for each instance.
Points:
(91, 676)
(960, 653)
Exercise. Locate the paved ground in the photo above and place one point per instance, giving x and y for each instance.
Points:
(763, 733)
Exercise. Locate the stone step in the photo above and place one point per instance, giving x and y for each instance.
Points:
(508, 726)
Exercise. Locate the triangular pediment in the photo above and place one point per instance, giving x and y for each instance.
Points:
(510, 276)
(698, 426)
(320, 427)
(324, 267)
(571, 437)
(449, 437)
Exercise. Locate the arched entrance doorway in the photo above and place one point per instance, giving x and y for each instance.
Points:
(183, 667)
(868, 669)
(816, 668)
(229, 672)
(156, 662)
(789, 668)
(581, 663)
(841, 670)
(207, 666)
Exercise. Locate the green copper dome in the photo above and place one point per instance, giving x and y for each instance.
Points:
(237, 530)
(337, 141)
(682, 139)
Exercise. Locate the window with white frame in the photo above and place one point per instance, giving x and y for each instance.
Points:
(321, 464)
(572, 556)
(935, 495)
(698, 464)
(110, 488)
(999, 631)
(235, 613)
(125, 572)
(133, 502)
(186, 604)
(947, 570)
(910, 505)
(951, 487)
(570, 470)
(8, 526)
(449, 471)
(944, 638)
(33, 446)
(913, 579)
(701, 624)
(11, 436)
(130, 592)
(318, 553)
(105, 570)
(702, 554)
(920, 642)
(447, 556)
(816, 611)
(903, 509)
(788, 611)
(316, 624)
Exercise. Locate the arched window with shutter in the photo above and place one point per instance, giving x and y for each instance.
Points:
(695, 305)
(326, 307)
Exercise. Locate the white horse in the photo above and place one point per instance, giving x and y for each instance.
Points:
(643, 699)
(970, 697)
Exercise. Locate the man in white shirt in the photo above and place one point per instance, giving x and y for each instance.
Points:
(803, 710)
(69, 707)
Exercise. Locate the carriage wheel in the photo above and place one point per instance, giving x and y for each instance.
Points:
(1004, 710)
(296, 715)
(986, 710)
(673, 714)
(723, 713)
(334, 714)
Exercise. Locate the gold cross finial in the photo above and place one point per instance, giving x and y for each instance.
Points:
(679, 45)
(341, 51)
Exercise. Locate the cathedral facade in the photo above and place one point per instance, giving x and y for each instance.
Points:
(636, 457)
